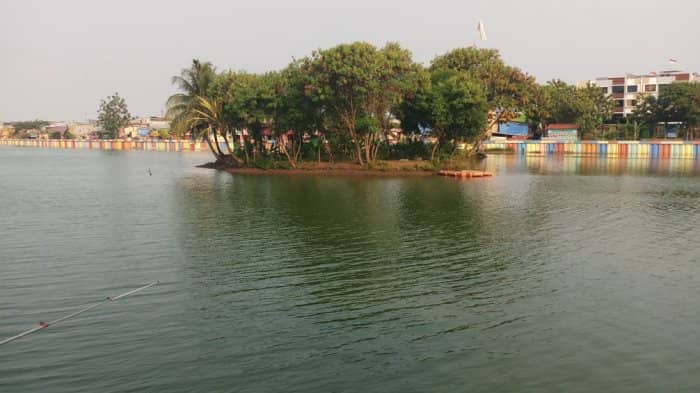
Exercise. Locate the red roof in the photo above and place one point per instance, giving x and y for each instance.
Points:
(562, 126)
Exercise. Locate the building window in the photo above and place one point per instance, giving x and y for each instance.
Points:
(619, 103)
(632, 88)
(604, 90)
(618, 89)
(649, 88)
(631, 102)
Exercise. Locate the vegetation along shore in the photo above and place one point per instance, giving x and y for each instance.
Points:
(362, 104)
(357, 108)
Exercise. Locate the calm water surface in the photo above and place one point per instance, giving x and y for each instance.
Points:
(555, 275)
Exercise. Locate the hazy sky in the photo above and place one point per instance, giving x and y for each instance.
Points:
(59, 58)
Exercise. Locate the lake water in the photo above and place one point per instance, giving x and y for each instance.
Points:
(556, 275)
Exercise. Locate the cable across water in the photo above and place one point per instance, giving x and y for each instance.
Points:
(45, 325)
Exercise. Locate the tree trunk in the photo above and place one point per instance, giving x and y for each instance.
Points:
(297, 145)
(378, 144)
(212, 148)
(328, 151)
(368, 148)
(358, 148)
(228, 145)
(285, 151)
(434, 149)
(216, 143)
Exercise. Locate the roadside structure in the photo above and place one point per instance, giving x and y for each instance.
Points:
(562, 132)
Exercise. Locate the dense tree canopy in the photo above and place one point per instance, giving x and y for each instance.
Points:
(451, 104)
(357, 85)
(508, 89)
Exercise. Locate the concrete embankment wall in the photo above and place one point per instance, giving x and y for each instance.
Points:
(154, 145)
(604, 149)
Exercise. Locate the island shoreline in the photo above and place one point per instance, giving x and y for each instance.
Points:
(326, 169)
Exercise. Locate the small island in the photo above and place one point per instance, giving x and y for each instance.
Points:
(355, 109)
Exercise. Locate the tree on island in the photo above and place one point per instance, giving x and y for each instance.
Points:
(451, 104)
(346, 100)
(357, 85)
(113, 115)
(198, 109)
(508, 89)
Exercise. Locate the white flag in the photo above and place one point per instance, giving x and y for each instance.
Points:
(481, 30)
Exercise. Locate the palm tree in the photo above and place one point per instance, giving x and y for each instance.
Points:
(210, 112)
(194, 109)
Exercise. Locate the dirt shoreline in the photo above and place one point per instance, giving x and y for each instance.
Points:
(385, 169)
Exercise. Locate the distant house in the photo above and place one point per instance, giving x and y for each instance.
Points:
(81, 130)
(130, 131)
(562, 132)
(512, 130)
(157, 123)
(56, 127)
(6, 131)
(32, 134)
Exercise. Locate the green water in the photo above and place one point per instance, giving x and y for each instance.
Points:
(556, 275)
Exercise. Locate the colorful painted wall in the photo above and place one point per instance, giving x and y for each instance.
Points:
(155, 145)
(606, 149)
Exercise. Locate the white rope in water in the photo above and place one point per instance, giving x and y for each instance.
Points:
(44, 325)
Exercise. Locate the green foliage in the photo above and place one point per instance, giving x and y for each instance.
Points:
(199, 108)
(341, 103)
(559, 102)
(196, 81)
(594, 108)
(296, 109)
(679, 102)
(357, 85)
(113, 115)
(163, 134)
(451, 104)
(249, 100)
(459, 106)
(30, 125)
(409, 150)
(508, 89)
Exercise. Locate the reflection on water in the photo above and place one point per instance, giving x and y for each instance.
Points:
(538, 279)
(561, 164)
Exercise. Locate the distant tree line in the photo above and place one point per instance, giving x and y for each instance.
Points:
(29, 125)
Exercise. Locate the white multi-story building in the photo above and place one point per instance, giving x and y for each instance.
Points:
(627, 90)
